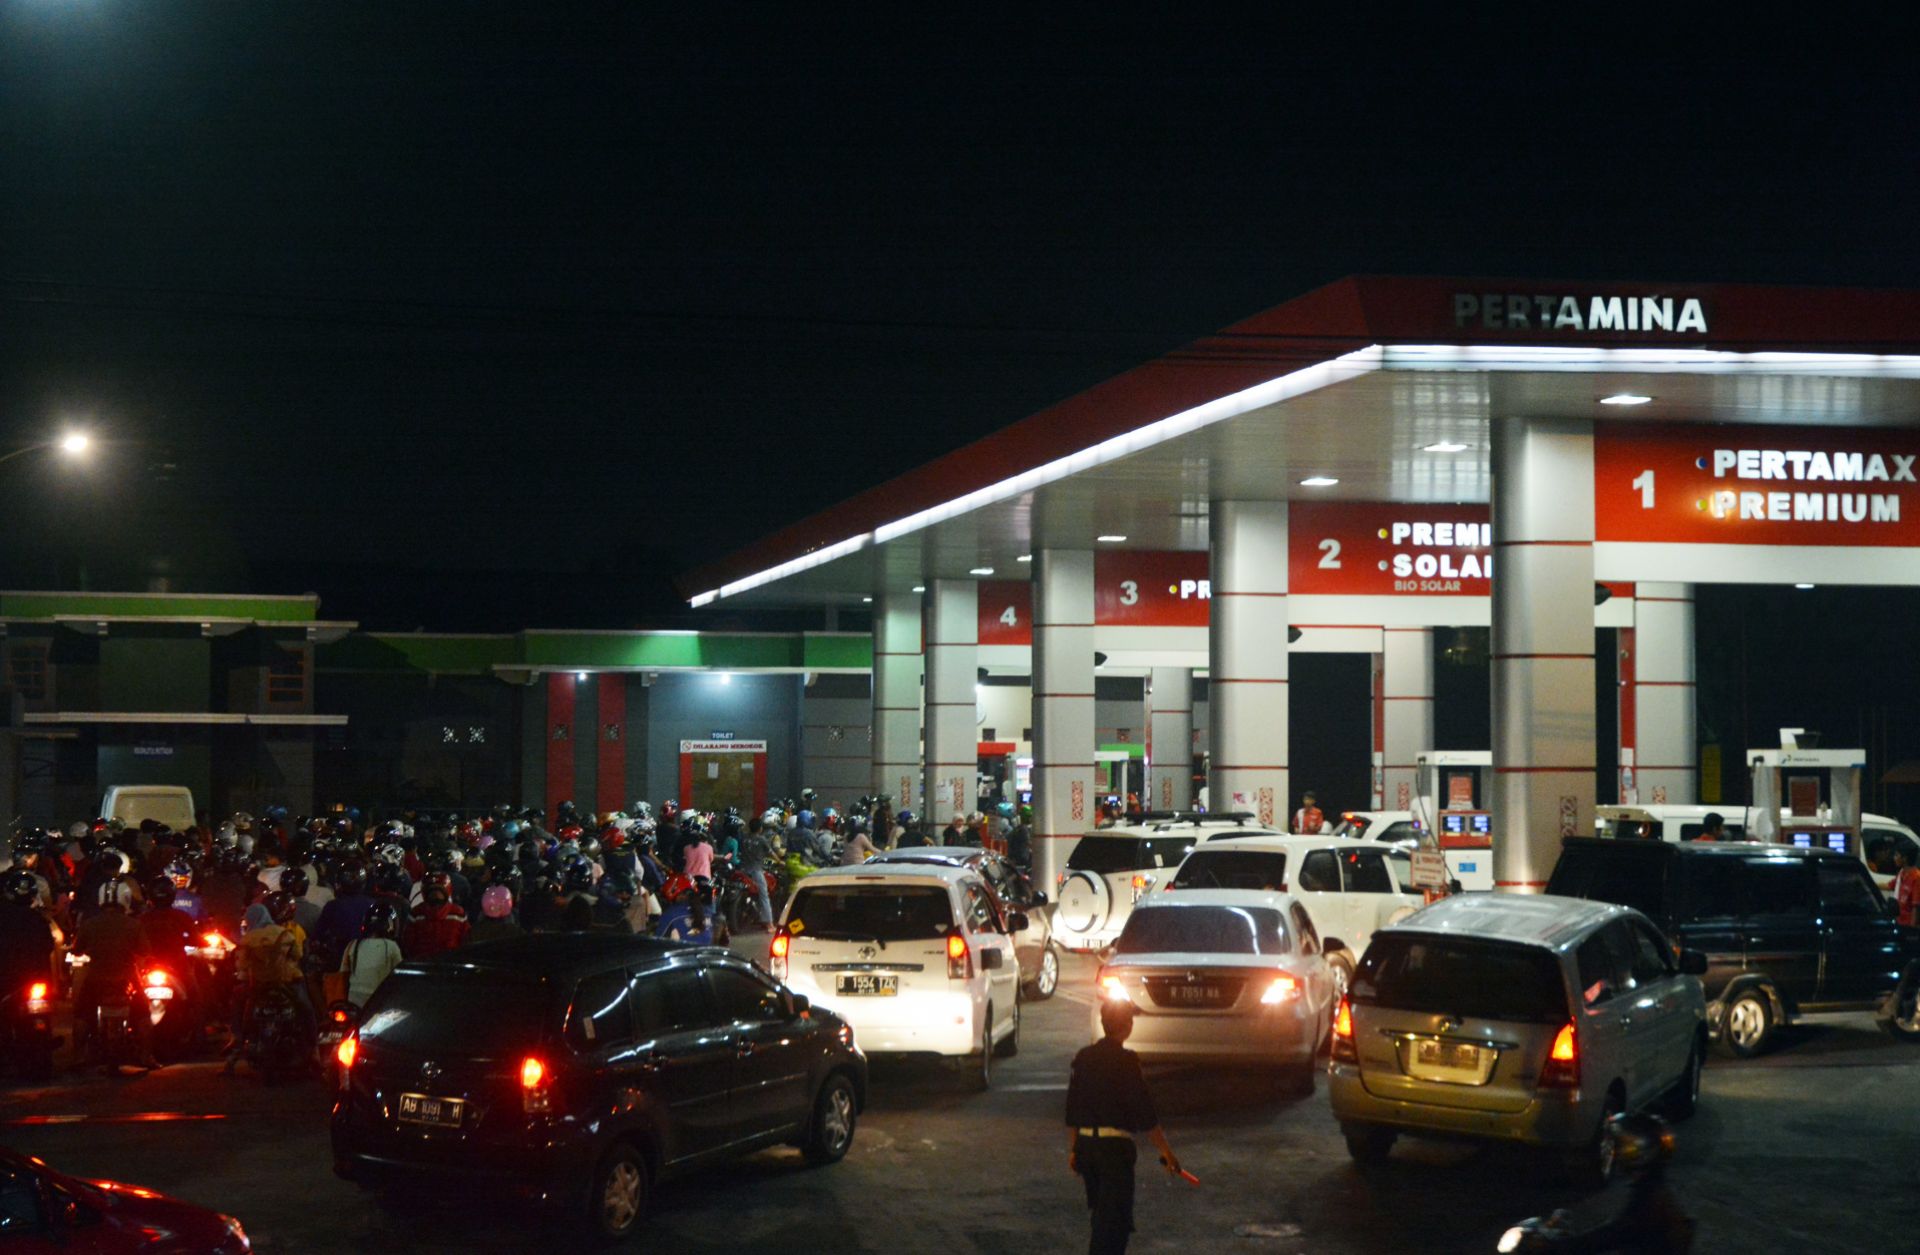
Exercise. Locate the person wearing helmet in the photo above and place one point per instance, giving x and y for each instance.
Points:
(270, 955)
(116, 949)
(439, 925)
(1651, 1219)
(858, 847)
(689, 920)
(295, 883)
(371, 957)
(1020, 840)
(30, 856)
(190, 904)
(496, 922)
(342, 919)
(26, 937)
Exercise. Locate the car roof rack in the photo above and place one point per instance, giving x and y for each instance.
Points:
(1195, 817)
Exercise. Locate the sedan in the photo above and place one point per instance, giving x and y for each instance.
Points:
(44, 1210)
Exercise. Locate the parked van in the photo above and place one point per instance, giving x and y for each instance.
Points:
(132, 804)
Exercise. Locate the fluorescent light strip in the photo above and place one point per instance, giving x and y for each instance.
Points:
(839, 549)
(1285, 388)
(1652, 361)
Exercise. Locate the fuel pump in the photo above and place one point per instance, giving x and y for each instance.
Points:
(1452, 788)
(1806, 797)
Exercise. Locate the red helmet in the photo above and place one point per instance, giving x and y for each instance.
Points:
(572, 832)
(669, 809)
(437, 882)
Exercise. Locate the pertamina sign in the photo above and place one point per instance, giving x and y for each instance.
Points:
(1579, 313)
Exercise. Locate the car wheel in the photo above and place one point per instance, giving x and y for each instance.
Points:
(1369, 1144)
(1340, 967)
(1590, 1166)
(1684, 1099)
(834, 1114)
(1748, 1025)
(1047, 979)
(1010, 1044)
(1904, 1023)
(619, 1194)
(983, 1061)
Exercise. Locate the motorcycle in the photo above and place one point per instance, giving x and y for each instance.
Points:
(342, 1018)
(681, 887)
(1540, 1233)
(26, 1017)
(736, 903)
(116, 1036)
(214, 975)
(174, 1014)
(277, 1040)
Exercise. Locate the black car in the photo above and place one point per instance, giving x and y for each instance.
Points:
(581, 1069)
(1787, 932)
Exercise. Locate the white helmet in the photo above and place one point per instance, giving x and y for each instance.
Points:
(390, 853)
(227, 835)
(78, 830)
(116, 892)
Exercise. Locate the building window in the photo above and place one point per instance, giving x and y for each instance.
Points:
(287, 677)
(27, 671)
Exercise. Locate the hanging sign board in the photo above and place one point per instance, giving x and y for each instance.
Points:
(1364, 548)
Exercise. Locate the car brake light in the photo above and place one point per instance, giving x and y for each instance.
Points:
(536, 1090)
(777, 954)
(37, 992)
(959, 962)
(1141, 882)
(344, 1053)
(1283, 988)
(157, 977)
(1344, 1049)
(1562, 1070)
(1112, 987)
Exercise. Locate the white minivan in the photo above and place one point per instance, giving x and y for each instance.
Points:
(917, 958)
(133, 804)
(1880, 837)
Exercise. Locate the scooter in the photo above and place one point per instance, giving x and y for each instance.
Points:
(116, 1037)
(736, 891)
(342, 1018)
(26, 1016)
(278, 1043)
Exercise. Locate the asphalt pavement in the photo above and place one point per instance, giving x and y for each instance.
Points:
(1810, 1148)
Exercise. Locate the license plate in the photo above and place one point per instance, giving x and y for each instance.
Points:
(1193, 993)
(867, 983)
(1453, 1056)
(441, 1113)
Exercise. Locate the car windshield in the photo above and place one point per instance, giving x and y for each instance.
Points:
(1233, 869)
(871, 912)
(1204, 930)
(1627, 874)
(1487, 980)
(1102, 855)
(456, 1012)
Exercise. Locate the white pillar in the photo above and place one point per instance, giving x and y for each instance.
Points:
(897, 670)
(1542, 672)
(1665, 766)
(1170, 739)
(1063, 715)
(1406, 712)
(953, 731)
(1247, 664)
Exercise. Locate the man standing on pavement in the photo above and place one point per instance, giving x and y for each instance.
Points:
(1107, 1105)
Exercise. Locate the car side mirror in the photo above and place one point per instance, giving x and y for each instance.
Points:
(801, 1003)
(1017, 922)
(992, 960)
(1693, 963)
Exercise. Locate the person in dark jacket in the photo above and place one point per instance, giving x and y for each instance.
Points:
(1107, 1107)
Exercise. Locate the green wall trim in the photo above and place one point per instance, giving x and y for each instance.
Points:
(409, 651)
(588, 651)
(158, 606)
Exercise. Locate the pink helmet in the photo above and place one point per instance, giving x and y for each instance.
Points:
(496, 902)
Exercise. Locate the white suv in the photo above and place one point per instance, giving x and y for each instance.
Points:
(916, 957)
(1348, 889)
(1110, 868)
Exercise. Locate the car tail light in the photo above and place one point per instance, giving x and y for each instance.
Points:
(959, 962)
(1344, 1049)
(1283, 988)
(1562, 1069)
(37, 1001)
(777, 954)
(157, 979)
(344, 1054)
(536, 1087)
(1113, 989)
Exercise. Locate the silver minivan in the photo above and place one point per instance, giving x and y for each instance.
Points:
(1518, 1018)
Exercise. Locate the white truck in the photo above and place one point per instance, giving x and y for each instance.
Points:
(131, 804)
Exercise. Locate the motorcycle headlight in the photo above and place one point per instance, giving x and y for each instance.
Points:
(1510, 1240)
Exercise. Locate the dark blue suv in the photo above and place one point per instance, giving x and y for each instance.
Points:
(581, 1069)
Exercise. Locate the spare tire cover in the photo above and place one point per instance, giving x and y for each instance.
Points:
(1085, 901)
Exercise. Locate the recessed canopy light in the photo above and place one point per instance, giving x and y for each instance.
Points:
(1025, 557)
(866, 601)
(1109, 540)
(1446, 446)
(1625, 398)
(726, 677)
(919, 588)
(579, 675)
(1318, 481)
(1803, 586)
(981, 570)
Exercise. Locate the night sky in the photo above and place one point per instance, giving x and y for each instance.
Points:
(495, 315)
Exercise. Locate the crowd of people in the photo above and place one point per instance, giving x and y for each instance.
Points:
(326, 907)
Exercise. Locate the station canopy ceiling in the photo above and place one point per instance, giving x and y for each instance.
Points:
(1354, 382)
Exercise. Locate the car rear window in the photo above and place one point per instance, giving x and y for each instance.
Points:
(871, 912)
(462, 1013)
(1626, 874)
(1233, 869)
(1458, 976)
(1103, 855)
(1204, 930)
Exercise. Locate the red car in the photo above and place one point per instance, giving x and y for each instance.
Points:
(44, 1210)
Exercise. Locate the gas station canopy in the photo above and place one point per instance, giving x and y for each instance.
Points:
(1388, 386)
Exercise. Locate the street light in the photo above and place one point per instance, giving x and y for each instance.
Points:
(73, 444)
